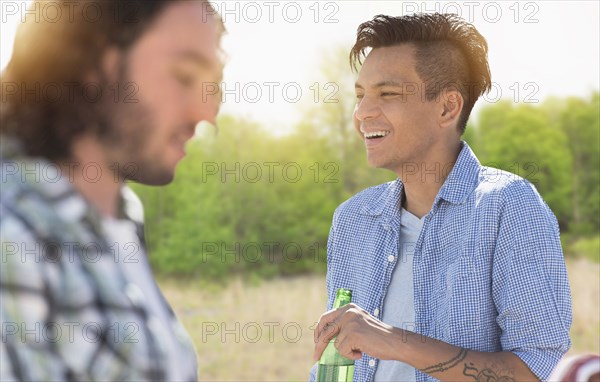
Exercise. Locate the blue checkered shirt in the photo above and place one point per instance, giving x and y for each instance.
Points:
(489, 273)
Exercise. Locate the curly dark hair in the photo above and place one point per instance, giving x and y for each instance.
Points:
(51, 55)
(449, 52)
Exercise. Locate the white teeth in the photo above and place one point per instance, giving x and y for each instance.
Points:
(376, 134)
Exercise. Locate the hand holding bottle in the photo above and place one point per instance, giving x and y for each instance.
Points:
(356, 332)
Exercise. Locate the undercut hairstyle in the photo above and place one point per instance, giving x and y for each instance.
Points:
(450, 53)
(46, 103)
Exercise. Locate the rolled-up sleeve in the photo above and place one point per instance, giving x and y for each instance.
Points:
(530, 284)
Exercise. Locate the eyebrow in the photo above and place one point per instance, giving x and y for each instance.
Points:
(381, 84)
(200, 60)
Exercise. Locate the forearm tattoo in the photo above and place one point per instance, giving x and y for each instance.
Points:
(485, 375)
(469, 370)
(443, 366)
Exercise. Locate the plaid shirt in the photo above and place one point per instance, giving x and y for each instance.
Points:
(68, 310)
(489, 273)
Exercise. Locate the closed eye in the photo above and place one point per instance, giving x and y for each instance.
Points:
(184, 75)
(185, 80)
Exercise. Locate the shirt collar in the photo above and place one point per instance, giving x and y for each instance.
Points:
(389, 201)
(463, 177)
(459, 184)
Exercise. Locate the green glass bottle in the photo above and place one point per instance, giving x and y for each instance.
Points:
(333, 367)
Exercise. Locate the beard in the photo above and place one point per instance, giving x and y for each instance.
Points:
(125, 130)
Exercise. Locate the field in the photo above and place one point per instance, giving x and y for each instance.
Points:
(262, 331)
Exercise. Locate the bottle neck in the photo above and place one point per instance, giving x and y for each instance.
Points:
(341, 302)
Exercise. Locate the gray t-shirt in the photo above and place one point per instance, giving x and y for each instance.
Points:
(398, 305)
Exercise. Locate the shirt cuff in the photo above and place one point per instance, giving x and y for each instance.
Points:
(541, 362)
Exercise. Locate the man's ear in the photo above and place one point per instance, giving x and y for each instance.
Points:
(108, 69)
(111, 64)
(451, 107)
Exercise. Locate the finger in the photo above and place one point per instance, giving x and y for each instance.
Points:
(316, 329)
(328, 332)
(326, 319)
(346, 346)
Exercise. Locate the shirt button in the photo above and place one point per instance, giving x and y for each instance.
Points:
(391, 258)
(376, 312)
(372, 363)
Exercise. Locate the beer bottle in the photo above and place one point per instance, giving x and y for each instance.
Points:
(333, 367)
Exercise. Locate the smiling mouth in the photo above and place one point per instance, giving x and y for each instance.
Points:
(184, 138)
(180, 142)
(375, 134)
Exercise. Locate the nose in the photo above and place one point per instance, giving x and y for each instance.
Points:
(205, 105)
(366, 108)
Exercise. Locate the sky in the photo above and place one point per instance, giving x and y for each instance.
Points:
(276, 48)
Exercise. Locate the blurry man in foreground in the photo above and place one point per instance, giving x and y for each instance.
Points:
(456, 269)
(107, 92)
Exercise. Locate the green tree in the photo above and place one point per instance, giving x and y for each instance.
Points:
(525, 141)
(580, 121)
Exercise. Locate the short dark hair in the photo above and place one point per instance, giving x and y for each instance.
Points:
(55, 54)
(449, 52)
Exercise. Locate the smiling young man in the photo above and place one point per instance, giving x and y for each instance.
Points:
(456, 269)
(110, 91)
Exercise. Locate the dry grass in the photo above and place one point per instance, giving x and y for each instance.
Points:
(263, 332)
(251, 333)
(584, 276)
